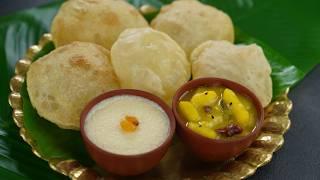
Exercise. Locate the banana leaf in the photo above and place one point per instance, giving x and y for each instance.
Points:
(291, 28)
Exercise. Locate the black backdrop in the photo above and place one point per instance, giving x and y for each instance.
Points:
(299, 158)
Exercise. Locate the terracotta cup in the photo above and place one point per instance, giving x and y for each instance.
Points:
(127, 165)
(216, 149)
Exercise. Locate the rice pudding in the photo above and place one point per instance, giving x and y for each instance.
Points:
(127, 125)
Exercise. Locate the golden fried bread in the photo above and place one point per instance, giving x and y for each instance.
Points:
(96, 21)
(244, 64)
(191, 23)
(150, 60)
(61, 83)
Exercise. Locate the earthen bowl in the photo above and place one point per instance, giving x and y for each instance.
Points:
(216, 149)
(127, 165)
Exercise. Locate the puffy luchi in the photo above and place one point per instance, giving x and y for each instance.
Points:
(191, 23)
(150, 60)
(61, 83)
(96, 21)
(244, 64)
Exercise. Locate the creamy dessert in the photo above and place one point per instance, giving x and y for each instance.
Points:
(127, 125)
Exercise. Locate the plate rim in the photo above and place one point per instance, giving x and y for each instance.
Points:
(257, 155)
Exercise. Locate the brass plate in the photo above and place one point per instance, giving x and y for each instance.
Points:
(178, 163)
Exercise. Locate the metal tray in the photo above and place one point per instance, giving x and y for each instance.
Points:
(178, 163)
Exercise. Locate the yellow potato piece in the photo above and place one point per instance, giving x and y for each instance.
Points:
(205, 98)
(208, 124)
(201, 90)
(237, 108)
(246, 102)
(189, 111)
(202, 130)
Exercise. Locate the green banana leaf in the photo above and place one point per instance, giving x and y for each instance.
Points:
(288, 27)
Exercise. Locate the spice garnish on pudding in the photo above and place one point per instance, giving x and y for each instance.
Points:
(129, 124)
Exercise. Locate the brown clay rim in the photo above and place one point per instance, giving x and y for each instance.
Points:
(132, 92)
(213, 82)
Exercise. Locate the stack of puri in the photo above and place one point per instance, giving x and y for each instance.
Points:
(103, 45)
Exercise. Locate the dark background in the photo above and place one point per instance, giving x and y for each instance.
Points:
(299, 158)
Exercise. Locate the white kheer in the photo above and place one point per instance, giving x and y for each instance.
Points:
(127, 125)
